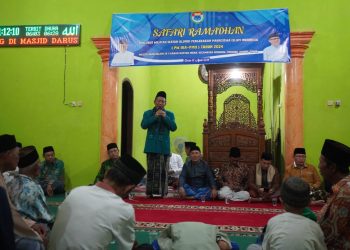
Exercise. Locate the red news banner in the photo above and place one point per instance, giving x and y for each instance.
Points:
(40, 35)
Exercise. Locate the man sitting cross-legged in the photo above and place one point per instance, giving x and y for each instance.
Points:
(51, 176)
(196, 178)
(233, 178)
(264, 180)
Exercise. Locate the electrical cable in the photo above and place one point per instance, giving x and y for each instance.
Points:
(64, 76)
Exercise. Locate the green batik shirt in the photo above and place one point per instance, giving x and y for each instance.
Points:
(106, 165)
(51, 172)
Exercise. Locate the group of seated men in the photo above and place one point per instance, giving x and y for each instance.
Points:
(80, 223)
(290, 230)
(28, 184)
(25, 181)
(236, 181)
(25, 221)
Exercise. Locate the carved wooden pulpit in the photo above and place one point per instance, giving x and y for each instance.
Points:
(236, 125)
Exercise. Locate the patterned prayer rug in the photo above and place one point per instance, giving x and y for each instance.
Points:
(242, 221)
(236, 217)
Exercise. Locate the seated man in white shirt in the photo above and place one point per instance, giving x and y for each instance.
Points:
(175, 166)
(291, 230)
(92, 216)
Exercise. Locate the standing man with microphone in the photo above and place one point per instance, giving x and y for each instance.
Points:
(158, 122)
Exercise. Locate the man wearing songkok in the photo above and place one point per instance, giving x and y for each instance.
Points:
(113, 154)
(291, 230)
(334, 218)
(188, 146)
(264, 179)
(27, 195)
(5, 174)
(303, 170)
(51, 176)
(233, 178)
(175, 166)
(28, 234)
(158, 122)
(92, 216)
(196, 179)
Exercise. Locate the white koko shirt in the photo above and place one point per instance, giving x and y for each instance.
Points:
(175, 164)
(90, 218)
(123, 59)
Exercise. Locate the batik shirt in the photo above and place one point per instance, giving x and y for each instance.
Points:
(28, 197)
(335, 216)
(51, 173)
(235, 176)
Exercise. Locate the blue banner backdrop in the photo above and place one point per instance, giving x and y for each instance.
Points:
(200, 38)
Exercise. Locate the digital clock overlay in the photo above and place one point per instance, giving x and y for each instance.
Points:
(40, 35)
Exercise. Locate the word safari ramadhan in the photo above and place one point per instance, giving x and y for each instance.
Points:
(209, 31)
